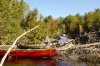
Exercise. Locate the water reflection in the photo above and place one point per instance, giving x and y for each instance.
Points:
(70, 63)
(45, 62)
(30, 62)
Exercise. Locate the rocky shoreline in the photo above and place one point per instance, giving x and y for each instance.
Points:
(87, 53)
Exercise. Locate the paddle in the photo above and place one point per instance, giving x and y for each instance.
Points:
(14, 43)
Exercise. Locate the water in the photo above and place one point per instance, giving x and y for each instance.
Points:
(45, 62)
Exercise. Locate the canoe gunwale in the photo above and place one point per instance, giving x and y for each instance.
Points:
(30, 52)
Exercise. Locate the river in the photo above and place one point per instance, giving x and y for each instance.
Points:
(45, 62)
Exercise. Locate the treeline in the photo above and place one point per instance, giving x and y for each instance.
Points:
(77, 24)
(16, 18)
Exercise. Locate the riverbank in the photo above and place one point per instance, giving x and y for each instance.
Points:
(87, 53)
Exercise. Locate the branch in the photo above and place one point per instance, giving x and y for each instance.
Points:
(14, 43)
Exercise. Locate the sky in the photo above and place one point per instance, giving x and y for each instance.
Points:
(63, 8)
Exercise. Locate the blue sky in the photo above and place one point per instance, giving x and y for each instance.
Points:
(63, 8)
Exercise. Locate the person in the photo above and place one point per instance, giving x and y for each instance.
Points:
(61, 40)
(47, 40)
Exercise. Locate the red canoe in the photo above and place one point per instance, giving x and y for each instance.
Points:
(30, 52)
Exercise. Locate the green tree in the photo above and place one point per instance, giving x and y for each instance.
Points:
(12, 15)
(30, 20)
(61, 25)
(89, 20)
(96, 24)
(71, 23)
(80, 22)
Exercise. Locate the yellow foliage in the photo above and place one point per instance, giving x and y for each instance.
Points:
(81, 28)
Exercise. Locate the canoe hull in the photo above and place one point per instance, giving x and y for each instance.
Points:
(30, 52)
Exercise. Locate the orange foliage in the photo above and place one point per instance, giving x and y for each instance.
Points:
(74, 24)
(53, 23)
